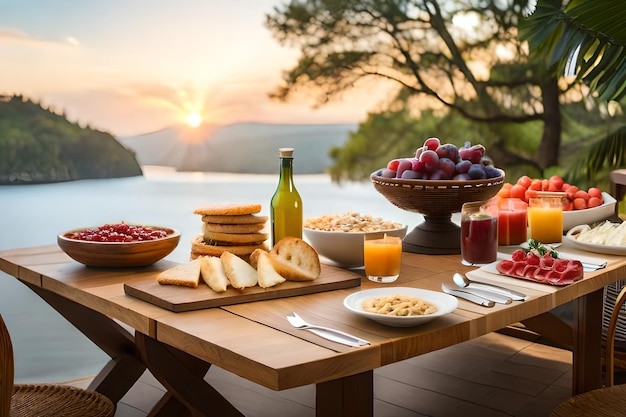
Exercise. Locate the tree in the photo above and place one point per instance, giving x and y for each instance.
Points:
(463, 56)
(585, 39)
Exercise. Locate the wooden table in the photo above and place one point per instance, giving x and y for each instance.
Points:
(255, 341)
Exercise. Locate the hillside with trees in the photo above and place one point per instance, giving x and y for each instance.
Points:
(40, 146)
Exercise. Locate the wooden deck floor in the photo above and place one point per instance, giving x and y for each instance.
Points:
(494, 375)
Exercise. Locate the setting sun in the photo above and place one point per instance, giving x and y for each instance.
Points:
(194, 120)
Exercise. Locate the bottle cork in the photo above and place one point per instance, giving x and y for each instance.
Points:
(285, 152)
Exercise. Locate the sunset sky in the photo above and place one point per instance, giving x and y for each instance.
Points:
(135, 66)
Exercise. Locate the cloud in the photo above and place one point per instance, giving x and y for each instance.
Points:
(8, 35)
(72, 41)
(19, 38)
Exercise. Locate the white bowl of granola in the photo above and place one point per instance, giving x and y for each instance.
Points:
(339, 237)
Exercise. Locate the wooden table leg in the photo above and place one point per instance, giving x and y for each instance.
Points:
(125, 366)
(183, 377)
(587, 352)
(351, 396)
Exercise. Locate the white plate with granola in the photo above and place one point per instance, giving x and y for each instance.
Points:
(339, 237)
(390, 305)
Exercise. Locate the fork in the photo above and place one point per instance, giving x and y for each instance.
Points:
(333, 334)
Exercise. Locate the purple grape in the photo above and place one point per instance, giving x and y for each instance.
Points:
(409, 174)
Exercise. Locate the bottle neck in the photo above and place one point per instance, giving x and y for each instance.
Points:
(286, 171)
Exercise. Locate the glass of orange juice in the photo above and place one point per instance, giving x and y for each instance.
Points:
(382, 256)
(545, 219)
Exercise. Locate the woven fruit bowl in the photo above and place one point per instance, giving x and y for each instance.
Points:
(436, 200)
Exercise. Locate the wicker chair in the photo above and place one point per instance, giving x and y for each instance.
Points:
(44, 400)
(603, 402)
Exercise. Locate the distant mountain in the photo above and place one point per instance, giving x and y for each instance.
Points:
(240, 148)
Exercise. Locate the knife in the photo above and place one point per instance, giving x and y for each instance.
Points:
(468, 296)
(339, 338)
(484, 293)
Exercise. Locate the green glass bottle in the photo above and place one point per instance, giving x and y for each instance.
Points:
(286, 206)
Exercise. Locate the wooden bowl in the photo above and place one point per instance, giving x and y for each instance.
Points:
(119, 254)
(436, 200)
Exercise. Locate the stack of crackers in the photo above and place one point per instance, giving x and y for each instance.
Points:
(235, 228)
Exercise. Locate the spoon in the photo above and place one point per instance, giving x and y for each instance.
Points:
(464, 282)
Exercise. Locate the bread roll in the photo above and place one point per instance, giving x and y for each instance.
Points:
(240, 273)
(187, 275)
(295, 259)
(213, 273)
(267, 275)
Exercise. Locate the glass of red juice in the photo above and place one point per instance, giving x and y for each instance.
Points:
(479, 233)
(512, 221)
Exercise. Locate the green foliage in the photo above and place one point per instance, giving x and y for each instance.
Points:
(396, 134)
(428, 58)
(582, 37)
(591, 168)
(515, 111)
(37, 145)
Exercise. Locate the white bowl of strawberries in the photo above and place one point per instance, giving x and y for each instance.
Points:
(579, 206)
(590, 215)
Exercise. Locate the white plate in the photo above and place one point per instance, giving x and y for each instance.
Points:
(593, 247)
(445, 304)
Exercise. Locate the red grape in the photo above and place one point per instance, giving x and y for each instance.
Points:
(430, 160)
(432, 144)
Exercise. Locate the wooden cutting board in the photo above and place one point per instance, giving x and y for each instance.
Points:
(177, 299)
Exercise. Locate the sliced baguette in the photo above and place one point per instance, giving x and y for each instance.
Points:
(254, 257)
(295, 259)
(267, 275)
(239, 272)
(213, 274)
(187, 275)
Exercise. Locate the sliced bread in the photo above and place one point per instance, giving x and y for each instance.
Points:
(254, 257)
(213, 273)
(187, 275)
(267, 275)
(239, 272)
(295, 259)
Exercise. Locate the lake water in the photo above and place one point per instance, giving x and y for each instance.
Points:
(47, 348)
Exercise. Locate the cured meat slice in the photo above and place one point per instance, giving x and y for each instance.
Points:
(544, 269)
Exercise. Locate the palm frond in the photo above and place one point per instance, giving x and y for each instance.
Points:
(582, 37)
(606, 154)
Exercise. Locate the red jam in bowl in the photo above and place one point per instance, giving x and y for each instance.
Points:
(119, 232)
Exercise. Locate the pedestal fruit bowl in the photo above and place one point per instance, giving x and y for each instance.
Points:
(436, 200)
